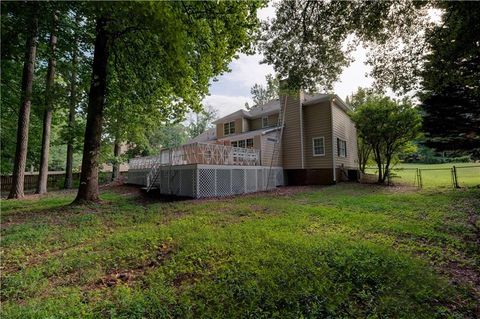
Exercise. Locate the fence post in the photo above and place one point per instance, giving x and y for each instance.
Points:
(419, 176)
(455, 178)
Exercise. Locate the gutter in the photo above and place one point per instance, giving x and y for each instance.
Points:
(333, 140)
(300, 98)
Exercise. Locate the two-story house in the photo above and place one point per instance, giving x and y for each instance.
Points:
(297, 139)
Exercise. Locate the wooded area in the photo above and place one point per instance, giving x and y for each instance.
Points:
(98, 75)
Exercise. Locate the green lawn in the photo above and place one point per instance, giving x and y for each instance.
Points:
(435, 175)
(345, 251)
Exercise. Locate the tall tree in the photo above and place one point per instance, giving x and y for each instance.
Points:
(71, 115)
(310, 42)
(356, 101)
(24, 114)
(201, 121)
(387, 126)
(450, 88)
(88, 190)
(47, 117)
(263, 94)
(171, 50)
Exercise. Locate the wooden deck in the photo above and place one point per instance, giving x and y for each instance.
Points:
(199, 153)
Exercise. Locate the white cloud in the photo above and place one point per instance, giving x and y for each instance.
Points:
(226, 104)
(246, 71)
(354, 76)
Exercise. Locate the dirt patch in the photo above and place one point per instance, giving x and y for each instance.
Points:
(185, 279)
(127, 276)
(123, 189)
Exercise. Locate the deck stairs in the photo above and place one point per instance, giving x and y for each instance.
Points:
(153, 174)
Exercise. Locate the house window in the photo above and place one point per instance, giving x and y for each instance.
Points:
(229, 128)
(318, 144)
(235, 144)
(250, 143)
(241, 143)
(341, 148)
(265, 121)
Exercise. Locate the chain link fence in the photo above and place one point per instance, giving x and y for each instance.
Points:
(444, 177)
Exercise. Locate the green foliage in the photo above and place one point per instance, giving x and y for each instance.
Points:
(317, 253)
(450, 88)
(387, 126)
(14, 15)
(263, 94)
(310, 42)
(202, 121)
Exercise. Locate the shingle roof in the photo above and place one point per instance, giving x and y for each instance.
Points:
(273, 106)
(249, 134)
(268, 108)
(208, 135)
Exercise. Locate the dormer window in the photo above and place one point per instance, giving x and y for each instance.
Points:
(265, 121)
(229, 128)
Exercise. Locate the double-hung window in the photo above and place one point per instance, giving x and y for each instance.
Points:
(229, 128)
(235, 144)
(241, 143)
(341, 148)
(250, 143)
(265, 121)
(318, 145)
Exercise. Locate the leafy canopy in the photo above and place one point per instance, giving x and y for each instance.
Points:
(310, 42)
(387, 126)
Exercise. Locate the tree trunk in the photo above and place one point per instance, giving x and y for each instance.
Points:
(71, 119)
(24, 114)
(88, 190)
(116, 164)
(47, 116)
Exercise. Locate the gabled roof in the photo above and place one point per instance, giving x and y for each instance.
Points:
(208, 135)
(327, 97)
(268, 108)
(233, 116)
(250, 134)
(273, 107)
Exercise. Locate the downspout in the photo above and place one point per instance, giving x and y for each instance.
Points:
(333, 141)
(300, 98)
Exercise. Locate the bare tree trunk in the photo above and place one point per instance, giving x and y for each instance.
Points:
(71, 119)
(88, 190)
(24, 115)
(47, 116)
(116, 164)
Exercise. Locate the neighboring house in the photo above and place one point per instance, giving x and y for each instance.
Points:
(317, 144)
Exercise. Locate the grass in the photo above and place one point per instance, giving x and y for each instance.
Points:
(435, 175)
(345, 251)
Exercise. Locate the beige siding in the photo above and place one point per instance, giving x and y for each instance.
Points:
(317, 122)
(238, 128)
(220, 131)
(255, 124)
(238, 125)
(291, 140)
(273, 119)
(344, 128)
(246, 125)
(267, 150)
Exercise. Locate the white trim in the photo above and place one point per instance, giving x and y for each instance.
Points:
(338, 147)
(333, 142)
(313, 145)
(263, 118)
(234, 128)
(300, 106)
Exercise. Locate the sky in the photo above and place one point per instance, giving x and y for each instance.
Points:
(232, 90)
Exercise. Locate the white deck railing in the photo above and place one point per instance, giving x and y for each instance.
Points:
(199, 153)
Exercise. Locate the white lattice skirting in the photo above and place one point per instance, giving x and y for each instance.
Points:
(201, 181)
